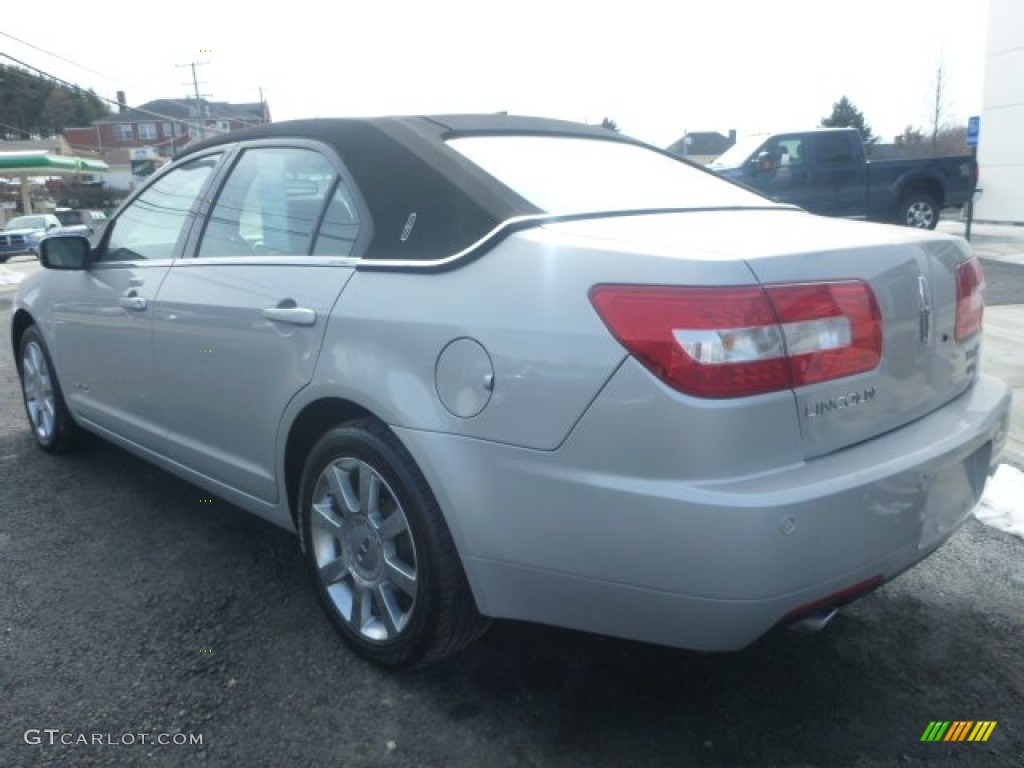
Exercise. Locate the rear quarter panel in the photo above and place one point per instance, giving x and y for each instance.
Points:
(526, 303)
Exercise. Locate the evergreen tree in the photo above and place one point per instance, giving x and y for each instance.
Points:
(31, 104)
(846, 115)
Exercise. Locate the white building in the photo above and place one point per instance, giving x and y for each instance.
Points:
(1001, 147)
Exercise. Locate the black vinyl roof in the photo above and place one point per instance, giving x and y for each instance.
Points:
(402, 165)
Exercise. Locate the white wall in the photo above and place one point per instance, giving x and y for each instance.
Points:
(1001, 148)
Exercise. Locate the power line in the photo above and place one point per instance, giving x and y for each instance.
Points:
(167, 118)
(66, 60)
(134, 85)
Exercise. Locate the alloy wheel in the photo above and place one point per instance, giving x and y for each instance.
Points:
(363, 549)
(920, 214)
(40, 400)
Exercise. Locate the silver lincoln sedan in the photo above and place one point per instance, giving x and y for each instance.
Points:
(493, 366)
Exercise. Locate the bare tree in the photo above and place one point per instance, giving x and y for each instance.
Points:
(939, 103)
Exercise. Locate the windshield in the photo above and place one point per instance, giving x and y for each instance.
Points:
(735, 156)
(562, 174)
(27, 222)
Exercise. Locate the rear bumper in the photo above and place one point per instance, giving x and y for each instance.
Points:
(555, 537)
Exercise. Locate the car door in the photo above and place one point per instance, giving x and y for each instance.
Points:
(238, 327)
(840, 176)
(103, 320)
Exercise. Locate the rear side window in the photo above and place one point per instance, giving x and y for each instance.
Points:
(152, 226)
(575, 175)
(340, 227)
(834, 149)
(270, 205)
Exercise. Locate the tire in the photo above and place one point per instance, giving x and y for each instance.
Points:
(919, 210)
(54, 429)
(382, 561)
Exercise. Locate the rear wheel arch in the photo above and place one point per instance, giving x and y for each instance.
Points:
(21, 321)
(313, 421)
(432, 609)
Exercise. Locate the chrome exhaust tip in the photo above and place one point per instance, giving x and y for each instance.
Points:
(814, 622)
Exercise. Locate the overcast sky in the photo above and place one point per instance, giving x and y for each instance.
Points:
(657, 68)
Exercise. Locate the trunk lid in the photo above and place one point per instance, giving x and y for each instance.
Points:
(912, 274)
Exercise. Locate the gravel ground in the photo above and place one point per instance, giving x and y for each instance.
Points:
(131, 603)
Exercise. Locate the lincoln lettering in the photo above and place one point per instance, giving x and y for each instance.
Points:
(820, 408)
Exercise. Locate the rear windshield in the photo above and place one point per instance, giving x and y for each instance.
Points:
(576, 175)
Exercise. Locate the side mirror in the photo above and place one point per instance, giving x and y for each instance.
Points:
(765, 163)
(64, 252)
(52, 226)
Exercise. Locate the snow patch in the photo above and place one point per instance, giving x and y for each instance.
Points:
(1002, 505)
(10, 277)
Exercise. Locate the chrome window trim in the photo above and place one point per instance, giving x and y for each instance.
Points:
(519, 223)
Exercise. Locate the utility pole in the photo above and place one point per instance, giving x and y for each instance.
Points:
(195, 87)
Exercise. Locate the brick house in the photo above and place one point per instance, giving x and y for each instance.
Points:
(166, 125)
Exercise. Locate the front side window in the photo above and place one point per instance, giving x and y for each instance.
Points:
(561, 174)
(786, 151)
(270, 205)
(152, 225)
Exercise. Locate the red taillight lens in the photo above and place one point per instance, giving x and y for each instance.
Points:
(747, 340)
(832, 329)
(970, 298)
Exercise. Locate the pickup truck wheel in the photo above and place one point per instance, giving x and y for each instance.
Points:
(920, 210)
(383, 563)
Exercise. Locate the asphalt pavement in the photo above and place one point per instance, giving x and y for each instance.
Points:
(143, 623)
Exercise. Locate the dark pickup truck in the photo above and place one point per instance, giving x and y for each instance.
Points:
(825, 171)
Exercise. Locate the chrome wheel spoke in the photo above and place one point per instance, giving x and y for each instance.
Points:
(401, 576)
(334, 571)
(369, 491)
(393, 525)
(362, 608)
(325, 517)
(340, 483)
(388, 610)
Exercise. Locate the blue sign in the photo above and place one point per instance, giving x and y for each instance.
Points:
(973, 129)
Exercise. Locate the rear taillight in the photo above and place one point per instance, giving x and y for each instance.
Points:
(970, 298)
(739, 341)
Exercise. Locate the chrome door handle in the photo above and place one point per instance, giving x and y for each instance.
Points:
(132, 301)
(291, 315)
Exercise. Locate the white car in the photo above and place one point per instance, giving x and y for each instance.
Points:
(490, 366)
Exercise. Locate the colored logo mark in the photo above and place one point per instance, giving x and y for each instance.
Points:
(958, 730)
